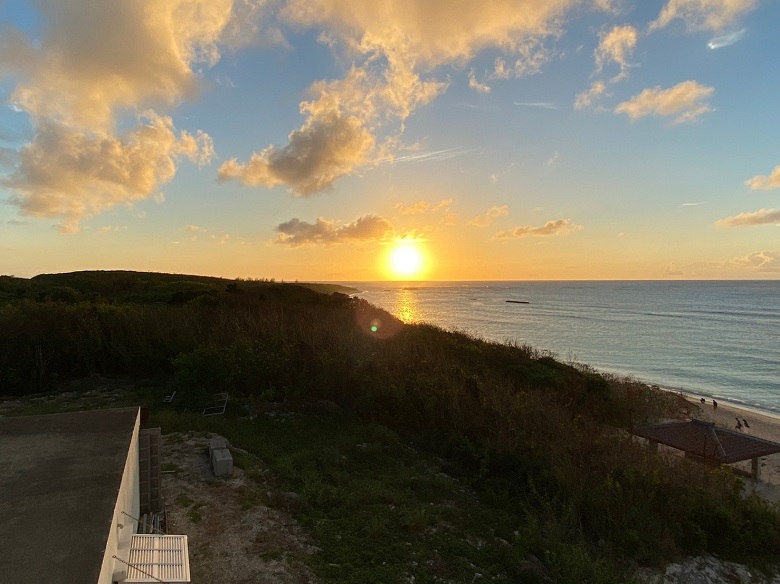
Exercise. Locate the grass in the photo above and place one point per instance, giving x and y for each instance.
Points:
(537, 477)
(382, 511)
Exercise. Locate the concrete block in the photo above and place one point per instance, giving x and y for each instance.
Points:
(216, 443)
(222, 462)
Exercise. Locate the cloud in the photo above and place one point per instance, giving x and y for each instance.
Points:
(413, 209)
(586, 98)
(71, 174)
(556, 227)
(80, 81)
(219, 239)
(141, 55)
(436, 33)
(686, 101)
(712, 15)
(323, 232)
(476, 85)
(539, 104)
(448, 218)
(8, 157)
(112, 229)
(393, 48)
(726, 40)
(445, 154)
(490, 217)
(617, 46)
(763, 261)
(336, 137)
(193, 228)
(443, 204)
(693, 204)
(609, 6)
(532, 57)
(761, 217)
(672, 270)
(765, 183)
(328, 146)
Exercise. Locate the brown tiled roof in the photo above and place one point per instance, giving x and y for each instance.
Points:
(706, 440)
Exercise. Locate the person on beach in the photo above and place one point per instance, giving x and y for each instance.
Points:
(714, 405)
(744, 421)
(739, 424)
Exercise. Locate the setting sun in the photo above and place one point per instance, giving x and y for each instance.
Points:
(406, 261)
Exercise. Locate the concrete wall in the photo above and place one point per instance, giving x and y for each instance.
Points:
(123, 527)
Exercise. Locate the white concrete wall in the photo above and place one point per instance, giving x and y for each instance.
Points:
(122, 526)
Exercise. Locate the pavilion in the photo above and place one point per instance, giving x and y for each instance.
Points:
(706, 442)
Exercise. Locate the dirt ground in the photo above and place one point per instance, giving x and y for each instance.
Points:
(233, 539)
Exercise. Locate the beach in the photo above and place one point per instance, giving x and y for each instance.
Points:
(760, 425)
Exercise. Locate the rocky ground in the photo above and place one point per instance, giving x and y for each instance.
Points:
(233, 538)
(704, 570)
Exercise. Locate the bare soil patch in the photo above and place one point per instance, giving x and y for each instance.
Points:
(233, 537)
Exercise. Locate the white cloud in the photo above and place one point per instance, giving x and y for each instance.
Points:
(686, 102)
(761, 217)
(337, 136)
(762, 261)
(765, 183)
(712, 15)
(392, 45)
(532, 56)
(672, 270)
(413, 209)
(539, 104)
(726, 40)
(71, 174)
(476, 85)
(141, 55)
(586, 98)
(323, 232)
(442, 205)
(609, 6)
(432, 155)
(437, 31)
(8, 157)
(328, 146)
(490, 216)
(555, 227)
(617, 46)
(112, 229)
(96, 64)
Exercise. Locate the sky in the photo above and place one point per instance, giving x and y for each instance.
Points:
(319, 139)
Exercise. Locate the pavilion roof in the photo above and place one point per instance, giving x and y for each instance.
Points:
(708, 441)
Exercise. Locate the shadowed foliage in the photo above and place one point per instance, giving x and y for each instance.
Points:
(527, 431)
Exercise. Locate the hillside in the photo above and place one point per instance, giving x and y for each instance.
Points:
(544, 446)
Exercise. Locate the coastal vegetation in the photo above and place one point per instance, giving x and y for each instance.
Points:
(558, 488)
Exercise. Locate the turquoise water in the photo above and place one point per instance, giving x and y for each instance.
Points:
(714, 339)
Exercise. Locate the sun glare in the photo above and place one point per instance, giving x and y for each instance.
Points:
(406, 261)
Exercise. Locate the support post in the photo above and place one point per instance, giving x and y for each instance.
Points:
(756, 469)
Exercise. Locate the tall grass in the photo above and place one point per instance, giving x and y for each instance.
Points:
(518, 424)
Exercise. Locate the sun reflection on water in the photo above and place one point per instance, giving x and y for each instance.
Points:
(406, 308)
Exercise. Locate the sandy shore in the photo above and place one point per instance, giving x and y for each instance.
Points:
(759, 425)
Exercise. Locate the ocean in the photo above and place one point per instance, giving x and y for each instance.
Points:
(713, 339)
